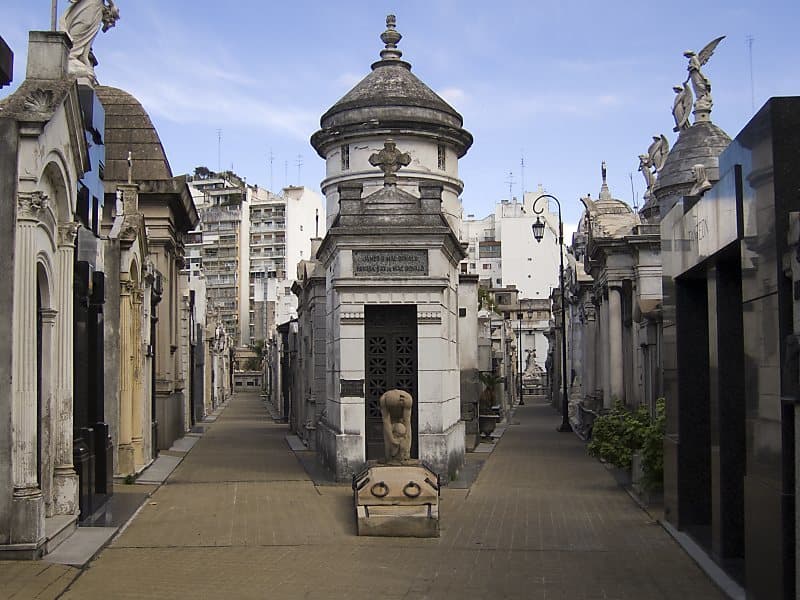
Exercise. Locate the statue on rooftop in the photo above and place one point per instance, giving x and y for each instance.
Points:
(700, 83)
(396, 415)
(82, 21)
(682, 106)
(657, 151)
(645, 164)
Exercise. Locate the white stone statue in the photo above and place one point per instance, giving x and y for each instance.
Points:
(682, 106)
(82, 21)
(700, 83)
(701, 182)
(396, 418)
(658, 151)
(649, 178)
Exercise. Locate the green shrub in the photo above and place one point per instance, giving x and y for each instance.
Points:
(618, 434)
(653, 449)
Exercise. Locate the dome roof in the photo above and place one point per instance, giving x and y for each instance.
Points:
(129, 128)
(606, 216)
(390, 97)
(702, 143)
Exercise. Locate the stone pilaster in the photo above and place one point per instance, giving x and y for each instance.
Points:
(28, 519)
(125, 452)
(65, 480)
(616, 380)
(137, 384)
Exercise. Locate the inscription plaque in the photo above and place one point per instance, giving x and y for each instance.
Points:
(390, 263)
(352, 387)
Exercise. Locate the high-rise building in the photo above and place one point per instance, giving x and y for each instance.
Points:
(503, 252)
(247, 246)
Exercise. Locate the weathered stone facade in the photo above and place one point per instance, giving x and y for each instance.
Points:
(44, 154)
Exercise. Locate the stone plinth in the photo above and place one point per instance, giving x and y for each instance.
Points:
(397, 501)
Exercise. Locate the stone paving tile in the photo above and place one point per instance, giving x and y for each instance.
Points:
(23, 580)
(542, 521)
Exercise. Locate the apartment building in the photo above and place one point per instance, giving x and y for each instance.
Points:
(247, 247)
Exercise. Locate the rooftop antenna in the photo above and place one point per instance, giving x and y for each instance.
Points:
(271, 158)
(633, 194)
(285, 173)
(316, 226)
(54, 15)
(522, 175)
(750, 40)
(510, 182)
(299, 167)
(219, 150)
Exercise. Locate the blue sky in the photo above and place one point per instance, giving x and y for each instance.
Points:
(565, 85)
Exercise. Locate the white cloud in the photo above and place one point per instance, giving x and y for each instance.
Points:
(453, 95)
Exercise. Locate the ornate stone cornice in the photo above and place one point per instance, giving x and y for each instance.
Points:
(67, 232)
(30, 205)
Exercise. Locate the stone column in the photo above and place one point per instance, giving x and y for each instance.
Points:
(48, 319)
(603, 354)
(616, 382)
(137, 385)
(589, 349)
(125, 452)
(28, 519)
(65, 480)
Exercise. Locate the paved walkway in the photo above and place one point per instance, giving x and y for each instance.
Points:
(240, 518)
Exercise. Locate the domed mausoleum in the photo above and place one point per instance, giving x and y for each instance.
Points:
(386, 274)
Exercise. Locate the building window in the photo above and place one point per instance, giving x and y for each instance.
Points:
(346, 157)
(442, 157)
(499, 282)
(486, 266)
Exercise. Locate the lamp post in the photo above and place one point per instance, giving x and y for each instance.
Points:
(519, 355)
(538, 233)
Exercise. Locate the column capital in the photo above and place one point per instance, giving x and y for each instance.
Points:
(67, 232)
(126, 287)
(30, 205)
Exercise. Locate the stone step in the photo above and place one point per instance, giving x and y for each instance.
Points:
(57, 529)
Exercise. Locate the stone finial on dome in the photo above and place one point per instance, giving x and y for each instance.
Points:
(605, 193)
(391, 37)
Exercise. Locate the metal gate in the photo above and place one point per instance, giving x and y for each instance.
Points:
(391, 363)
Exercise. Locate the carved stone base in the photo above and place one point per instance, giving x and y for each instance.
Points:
(138, 452)
(126, 464)
(397, 501)
(65, 491)
(27, 517)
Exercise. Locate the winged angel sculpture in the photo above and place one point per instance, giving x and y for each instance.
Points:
(700, 83)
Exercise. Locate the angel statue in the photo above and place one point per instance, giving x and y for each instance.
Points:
(658, 151)
(649, 178)
(682, 106)
(700, 83)
(82, 21)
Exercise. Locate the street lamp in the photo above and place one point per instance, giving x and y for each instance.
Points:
(519, 355)
(538, 233)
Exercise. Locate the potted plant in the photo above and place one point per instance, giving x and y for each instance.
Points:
(621, 436)
(488, 411)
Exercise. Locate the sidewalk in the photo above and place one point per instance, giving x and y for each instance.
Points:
(240, 518)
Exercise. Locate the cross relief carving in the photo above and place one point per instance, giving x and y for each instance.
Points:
(390, 160)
